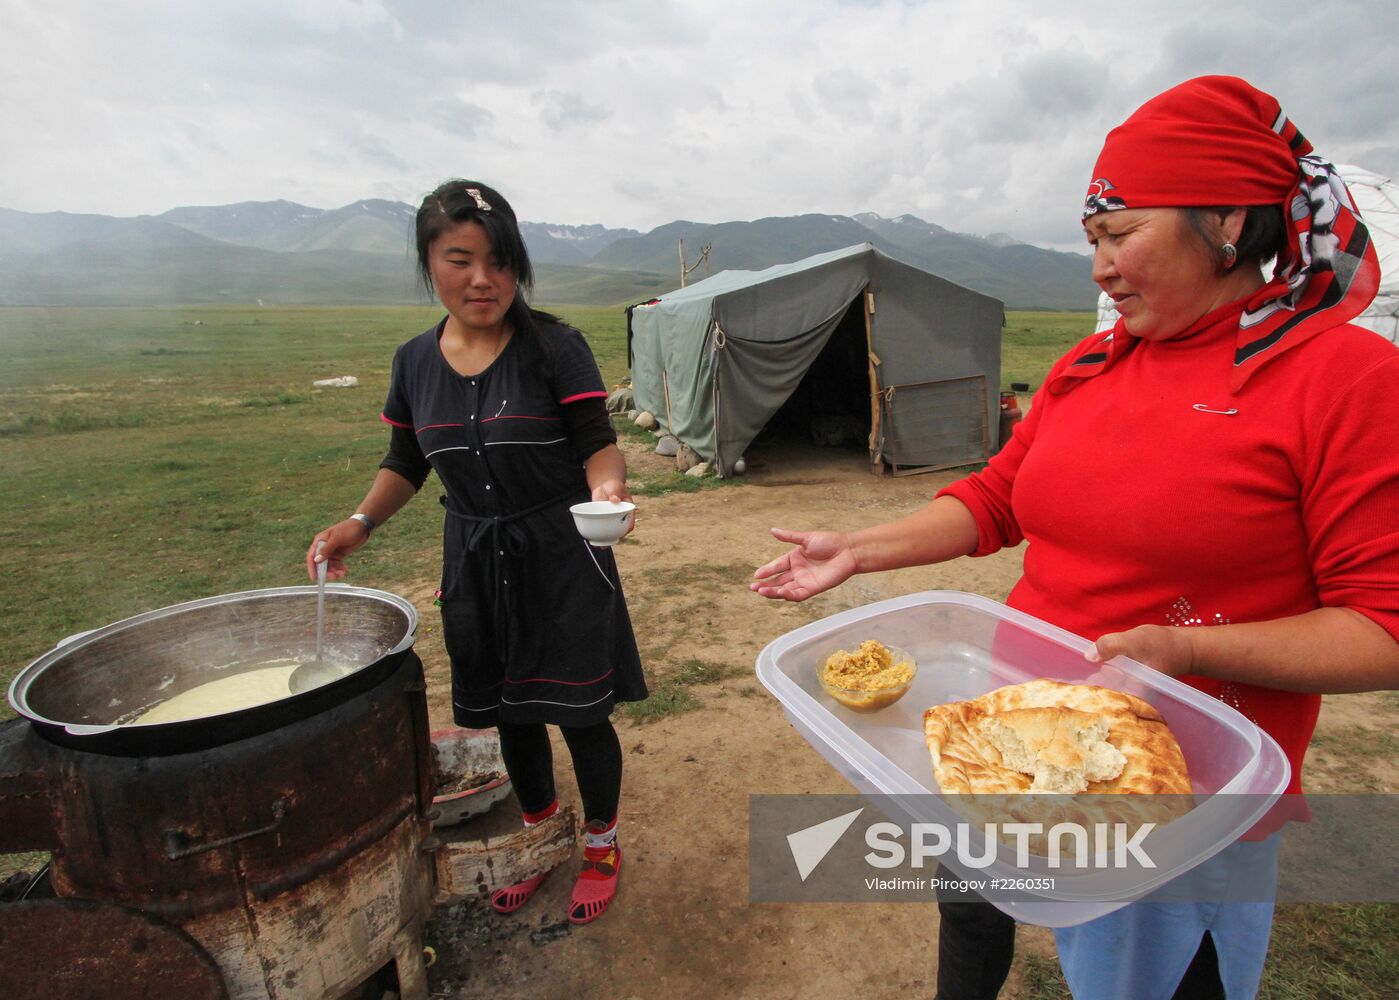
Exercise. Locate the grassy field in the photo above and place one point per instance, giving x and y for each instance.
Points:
(156, 455)
(1033, 341)
(151, 456)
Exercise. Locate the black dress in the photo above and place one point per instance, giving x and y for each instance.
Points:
(533, 616)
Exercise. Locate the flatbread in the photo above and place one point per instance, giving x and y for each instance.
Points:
(967, 761)
(1063, 749)
(1050, 719)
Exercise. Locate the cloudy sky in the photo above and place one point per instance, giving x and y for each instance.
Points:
(980, 116)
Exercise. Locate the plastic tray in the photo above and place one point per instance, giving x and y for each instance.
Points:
(967, 645)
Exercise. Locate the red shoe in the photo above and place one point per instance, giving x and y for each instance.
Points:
(512, 897)
(597, 884)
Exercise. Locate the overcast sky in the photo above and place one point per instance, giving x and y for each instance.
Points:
(982, 116)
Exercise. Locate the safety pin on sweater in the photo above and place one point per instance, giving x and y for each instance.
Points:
(1205, 409)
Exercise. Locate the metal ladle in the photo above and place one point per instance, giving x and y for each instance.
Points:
(314, 673)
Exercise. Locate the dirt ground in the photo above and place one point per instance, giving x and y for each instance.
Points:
(682, 925)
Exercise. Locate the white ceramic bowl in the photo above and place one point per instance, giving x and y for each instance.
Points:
(602, 522)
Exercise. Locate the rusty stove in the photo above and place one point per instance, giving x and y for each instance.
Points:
(270, 853)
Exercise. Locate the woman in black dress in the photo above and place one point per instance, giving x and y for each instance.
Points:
(506, 405)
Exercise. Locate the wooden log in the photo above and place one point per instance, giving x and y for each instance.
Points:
(669, 420)
(475, 868)
(876, 458)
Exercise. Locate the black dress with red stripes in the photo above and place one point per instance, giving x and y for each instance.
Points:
(533, 617)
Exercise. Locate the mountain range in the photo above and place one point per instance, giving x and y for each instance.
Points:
(282, 252)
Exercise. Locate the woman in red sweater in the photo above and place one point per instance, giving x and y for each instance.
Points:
(1205, 488)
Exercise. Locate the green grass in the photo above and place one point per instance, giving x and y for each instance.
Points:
(1332, 953)
(1033, 341)
(697, 671)
(152, 456)
(676, 482)
(1379, 744)
(666, 698)
(1042, 979)
(669, 690)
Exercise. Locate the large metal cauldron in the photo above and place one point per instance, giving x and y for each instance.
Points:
(83, 691)
(286, 839)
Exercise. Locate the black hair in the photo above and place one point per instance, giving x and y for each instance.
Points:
(457, 201)
(1264, 233)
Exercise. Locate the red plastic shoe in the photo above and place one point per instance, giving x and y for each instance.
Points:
(597, 884)
(512, 897)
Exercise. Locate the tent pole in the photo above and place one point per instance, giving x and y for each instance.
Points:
(716, 363)
(876, 461)
(665, 384)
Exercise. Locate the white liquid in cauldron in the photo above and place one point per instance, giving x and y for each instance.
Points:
(227, 694)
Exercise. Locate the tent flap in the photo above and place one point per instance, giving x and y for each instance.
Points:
(753, 378)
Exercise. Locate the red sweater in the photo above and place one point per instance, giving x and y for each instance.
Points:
(1144, 505)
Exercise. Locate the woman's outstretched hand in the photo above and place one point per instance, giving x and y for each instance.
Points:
(820, 561)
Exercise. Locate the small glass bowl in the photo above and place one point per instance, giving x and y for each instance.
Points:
(870, 700)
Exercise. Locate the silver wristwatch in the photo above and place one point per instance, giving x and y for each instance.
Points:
(365, 520)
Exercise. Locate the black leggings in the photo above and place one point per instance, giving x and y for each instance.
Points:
(1202, 980)
(976, 943)
(597, 764)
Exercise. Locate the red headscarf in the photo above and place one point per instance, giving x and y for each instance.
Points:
(1218, 141)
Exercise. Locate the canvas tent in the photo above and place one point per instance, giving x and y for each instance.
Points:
(851, 337)
(1377, 197)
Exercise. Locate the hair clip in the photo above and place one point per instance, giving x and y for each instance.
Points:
(481, 203)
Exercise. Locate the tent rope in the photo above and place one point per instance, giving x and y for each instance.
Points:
(719, 338)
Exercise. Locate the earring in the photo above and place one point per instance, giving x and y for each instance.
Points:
(1231, 254)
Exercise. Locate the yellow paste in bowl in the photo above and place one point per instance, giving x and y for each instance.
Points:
(871, 677)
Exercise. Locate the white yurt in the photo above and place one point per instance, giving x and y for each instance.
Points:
(1107, 313)
(1377, 197)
